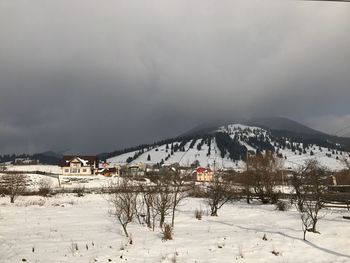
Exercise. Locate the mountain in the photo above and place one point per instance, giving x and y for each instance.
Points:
(48, 157)
(282, 124)
(279, 126)
(226, 146)
(269, 123)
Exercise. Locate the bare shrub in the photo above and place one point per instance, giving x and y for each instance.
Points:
(218, 194)
(148, 195)
(282, 205)
(124, 201)
(80, 191)
(167, 232)
(164, 200)
(73, 247)
(45, 186)
(310, 187)
(14, 184)
(197, 192)
(40, 202)
(198, 213)
(179, 193)
(262, 173)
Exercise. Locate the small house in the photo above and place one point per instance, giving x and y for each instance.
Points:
(204, 174)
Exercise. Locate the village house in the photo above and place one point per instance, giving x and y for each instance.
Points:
(79, 165)
(136, 169)
(25, 161)
(109, 171)
(204, 174)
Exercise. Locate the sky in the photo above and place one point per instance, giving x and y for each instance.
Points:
(91, 76)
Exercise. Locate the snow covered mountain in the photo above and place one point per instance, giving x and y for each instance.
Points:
(227, 147)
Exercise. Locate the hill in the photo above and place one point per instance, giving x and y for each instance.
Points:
(227, 146)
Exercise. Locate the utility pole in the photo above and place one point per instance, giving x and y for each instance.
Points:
(247, 179)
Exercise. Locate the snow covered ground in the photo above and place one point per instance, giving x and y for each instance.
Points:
(55, 169)
(96, 181)
(41, 229)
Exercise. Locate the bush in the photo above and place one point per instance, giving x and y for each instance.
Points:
(198, 214)
(44, 186)
(79, 191)
(198, 192)
(274, 197)
(167, 232)
(282, 205)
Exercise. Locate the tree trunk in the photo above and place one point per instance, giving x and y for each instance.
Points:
(125, 231)
(214, 211)
(173, 212)
(148, 217)
(161, 221)
(314, 222)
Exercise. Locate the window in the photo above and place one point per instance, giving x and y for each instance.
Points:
(66, 170)
(84, 170)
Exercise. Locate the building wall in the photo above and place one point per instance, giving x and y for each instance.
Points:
(77, 169)
(205, 177)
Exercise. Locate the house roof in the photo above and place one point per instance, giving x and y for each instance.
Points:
(84, 159)
(108, 170)
(203, 170)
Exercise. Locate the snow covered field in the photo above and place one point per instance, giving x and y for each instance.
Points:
(40, 229)
(55, 169)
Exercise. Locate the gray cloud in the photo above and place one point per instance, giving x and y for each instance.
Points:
(96, 76)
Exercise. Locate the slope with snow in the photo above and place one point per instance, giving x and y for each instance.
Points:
(291, 159)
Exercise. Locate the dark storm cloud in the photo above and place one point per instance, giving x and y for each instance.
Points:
(100, 75)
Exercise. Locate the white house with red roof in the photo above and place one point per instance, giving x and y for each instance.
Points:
(204, 174)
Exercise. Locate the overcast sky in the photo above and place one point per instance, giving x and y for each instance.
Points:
(94, 76)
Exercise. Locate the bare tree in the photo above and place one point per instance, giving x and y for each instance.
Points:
(179, 193)
(14, 184)
(124, 200)
(218, 194)
(297, 181)
(310, 186)
(148, 195)
(246, 180)
(164, 200)
(263, 171)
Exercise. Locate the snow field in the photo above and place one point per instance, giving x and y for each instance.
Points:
(56, 226)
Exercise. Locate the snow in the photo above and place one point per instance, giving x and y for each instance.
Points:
(121, 159)
(53, 225)
(55, 169)
(83, 161)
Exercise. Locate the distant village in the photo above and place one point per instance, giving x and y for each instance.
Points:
(83, 165)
